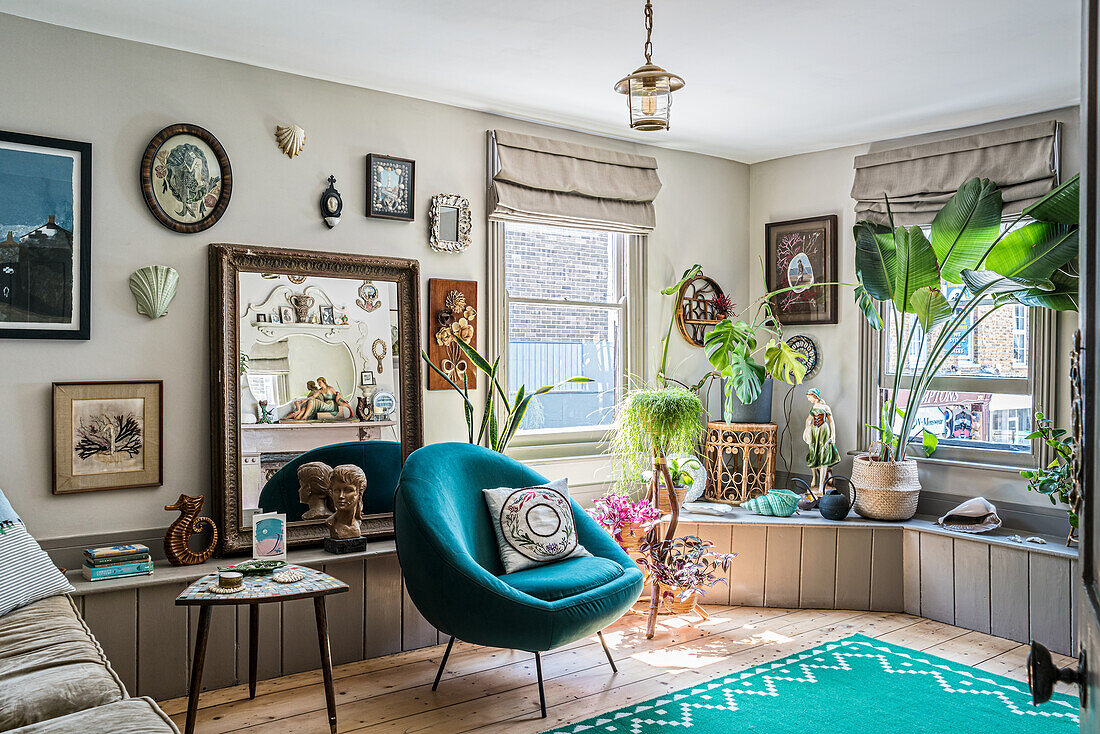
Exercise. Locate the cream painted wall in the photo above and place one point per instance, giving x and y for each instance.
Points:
(118, 94)
(821, 183)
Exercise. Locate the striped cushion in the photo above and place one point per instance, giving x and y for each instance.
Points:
(26, 573)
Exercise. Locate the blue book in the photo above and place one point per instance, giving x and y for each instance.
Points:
(144, 568)
(115, 550)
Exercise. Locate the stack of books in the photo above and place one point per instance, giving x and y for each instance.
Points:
(117, 561)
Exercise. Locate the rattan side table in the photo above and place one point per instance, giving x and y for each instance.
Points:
(740, 460)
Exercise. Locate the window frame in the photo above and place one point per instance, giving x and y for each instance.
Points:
(1040, 384)
(579, 442)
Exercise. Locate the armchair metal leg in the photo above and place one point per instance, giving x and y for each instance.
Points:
(607, 652)
(443, 663)
(542, 695)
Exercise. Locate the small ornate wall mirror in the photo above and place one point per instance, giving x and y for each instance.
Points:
(450, 222)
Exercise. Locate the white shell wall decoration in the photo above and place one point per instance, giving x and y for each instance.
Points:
(154, 287)
(291, 139)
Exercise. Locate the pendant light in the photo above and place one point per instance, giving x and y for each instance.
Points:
(650, 87)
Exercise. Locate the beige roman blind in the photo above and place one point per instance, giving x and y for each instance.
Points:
(919, 179)
(551, 181)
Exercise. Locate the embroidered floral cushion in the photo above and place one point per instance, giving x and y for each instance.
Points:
(534, 525)
(26, 572)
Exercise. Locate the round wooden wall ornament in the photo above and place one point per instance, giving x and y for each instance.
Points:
(697, 310)
(186, 178)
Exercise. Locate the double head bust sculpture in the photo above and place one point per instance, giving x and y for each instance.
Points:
(335, 494)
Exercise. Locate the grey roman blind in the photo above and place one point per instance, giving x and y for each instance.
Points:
(919, 179)
(551, 181)
(269, 358)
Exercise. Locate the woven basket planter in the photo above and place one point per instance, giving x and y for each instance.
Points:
(631, 536)
(885, 490)
(672, 605)
(662, 498)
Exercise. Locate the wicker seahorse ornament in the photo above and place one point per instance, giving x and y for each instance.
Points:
(176, 546)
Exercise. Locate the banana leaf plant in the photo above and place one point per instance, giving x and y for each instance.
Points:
(1032, 265)
(501, 417)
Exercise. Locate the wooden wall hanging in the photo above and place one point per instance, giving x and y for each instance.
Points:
(697, 308)
(452, 312)
(176, 547)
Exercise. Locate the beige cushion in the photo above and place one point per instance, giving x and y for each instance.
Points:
(50, 665)
(132, 716)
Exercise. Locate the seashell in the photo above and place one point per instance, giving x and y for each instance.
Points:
(777, 503)
(289, 576)
(154, 287)
(291, 139)
(976, 515)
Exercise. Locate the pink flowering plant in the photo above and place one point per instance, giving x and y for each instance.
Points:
(614, 510)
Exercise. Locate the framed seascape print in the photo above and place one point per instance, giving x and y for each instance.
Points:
(186, 178)
(107, 435)
(45, 237)
(269, 536)
(390, 187)
(801, 254)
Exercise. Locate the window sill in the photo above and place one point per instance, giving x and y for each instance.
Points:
(992, 466)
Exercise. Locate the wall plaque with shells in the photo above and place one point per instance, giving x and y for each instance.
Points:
(452, 312)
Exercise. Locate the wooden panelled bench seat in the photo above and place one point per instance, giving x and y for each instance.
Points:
(980, 582)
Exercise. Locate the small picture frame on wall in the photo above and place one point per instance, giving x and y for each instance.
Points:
(801, 253)
(286, 315)
(391, 185)
(261, 318)
(366, 378)
(327, 317)
(269, 536)
(107, 435)
(275, 319)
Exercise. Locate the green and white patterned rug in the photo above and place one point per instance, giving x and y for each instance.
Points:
(855, 684)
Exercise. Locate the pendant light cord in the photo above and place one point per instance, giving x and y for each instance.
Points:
(648, 31)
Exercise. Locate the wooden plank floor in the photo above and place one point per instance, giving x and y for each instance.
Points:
(491, 690)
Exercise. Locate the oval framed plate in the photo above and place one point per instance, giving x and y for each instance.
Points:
(186, 178)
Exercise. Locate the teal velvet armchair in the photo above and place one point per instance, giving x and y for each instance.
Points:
(449, 557)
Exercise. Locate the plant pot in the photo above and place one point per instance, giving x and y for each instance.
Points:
(758, 411)
(670, 604)
(662, 497)
(631, 536)
(885, 490)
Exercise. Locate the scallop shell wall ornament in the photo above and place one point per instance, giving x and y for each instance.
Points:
(291, 139)
(154, 287)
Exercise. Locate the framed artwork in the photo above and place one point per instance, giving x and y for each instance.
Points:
(452, 313)
(327, 316)
(286, 315)
(390, 187)
(261, 318)
(45, 237)
(269, 536)
(107, 435)
(186, 178)
(366, 378)
(800, 254)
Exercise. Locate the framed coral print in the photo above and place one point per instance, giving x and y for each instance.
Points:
(45, 237)
(107, 435)
(801, 254)
(186, 178)
(391, 184)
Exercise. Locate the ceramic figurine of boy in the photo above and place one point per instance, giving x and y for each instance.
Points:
(345, 492)
(313, 481)
(820, 437)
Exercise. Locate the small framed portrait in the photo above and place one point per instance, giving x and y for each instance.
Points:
(186, 179)
(327, 317)
(269, 536)
(274, 318)
(390, 187)
(261, 318)
(107, 435)
(366, 378)
(801, 254)
(286, 315)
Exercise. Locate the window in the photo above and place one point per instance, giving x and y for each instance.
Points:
(566, 296)
(981, 404)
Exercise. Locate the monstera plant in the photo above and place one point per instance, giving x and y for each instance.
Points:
(1033, 265)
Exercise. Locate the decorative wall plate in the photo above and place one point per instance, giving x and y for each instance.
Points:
(697, 309)
(186, 178)
(807, 347)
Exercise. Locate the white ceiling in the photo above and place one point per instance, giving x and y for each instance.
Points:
(764, 79)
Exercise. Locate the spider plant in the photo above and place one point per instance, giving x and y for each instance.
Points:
(1033, 265)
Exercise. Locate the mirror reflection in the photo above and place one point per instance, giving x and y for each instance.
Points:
(448, 223)
(318, 367)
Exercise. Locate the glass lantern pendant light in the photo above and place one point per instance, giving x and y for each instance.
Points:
(650, 87)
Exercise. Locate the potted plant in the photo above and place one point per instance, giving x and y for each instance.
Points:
(736, 348)
(627, 520)
(1054, 479)
(681, 569)
(1033, 265)
(495, 430)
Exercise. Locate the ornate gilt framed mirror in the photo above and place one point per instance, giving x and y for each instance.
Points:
(302, 344)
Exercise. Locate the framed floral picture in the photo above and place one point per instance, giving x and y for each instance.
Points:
(107, 435)
(391, 184)
(801, 254)
(45, 237)
(186, 178)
